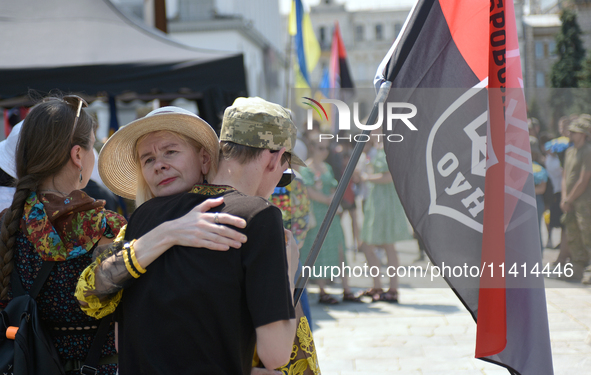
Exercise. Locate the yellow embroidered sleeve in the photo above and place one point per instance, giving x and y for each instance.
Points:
(304, 334)
(121, 236)
(100, 286)
(91, 304)
(303, 359)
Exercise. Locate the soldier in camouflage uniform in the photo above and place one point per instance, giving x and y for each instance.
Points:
(576, 196)
(253, 132)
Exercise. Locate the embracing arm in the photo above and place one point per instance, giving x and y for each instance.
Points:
(100, 286)
(195, 229)
(275, 340)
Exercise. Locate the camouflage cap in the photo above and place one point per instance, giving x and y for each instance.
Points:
(581, 124)
(258, 123)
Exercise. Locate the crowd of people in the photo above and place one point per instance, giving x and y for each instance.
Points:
(200, 277)
(214, 250)
(215, 239)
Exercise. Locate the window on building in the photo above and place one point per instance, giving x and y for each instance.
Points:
(359, 33)
(552, 48)
(322, 35)
(540, 79)
(360, 70)
(379, 31)
(397, 28)
(546, 52)
(539, 50)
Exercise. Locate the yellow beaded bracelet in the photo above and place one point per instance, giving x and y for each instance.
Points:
(134, 259)
(127, 260)
(131, 262)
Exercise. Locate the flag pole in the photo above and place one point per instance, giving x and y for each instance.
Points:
(334, 204)
(288, 71)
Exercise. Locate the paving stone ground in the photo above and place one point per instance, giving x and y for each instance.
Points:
(430, 332)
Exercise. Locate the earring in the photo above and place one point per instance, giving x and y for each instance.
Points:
(80, 174)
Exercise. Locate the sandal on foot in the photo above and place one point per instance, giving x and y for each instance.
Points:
(350, 297)
(373, 292)
(389, 296)
(327, 299)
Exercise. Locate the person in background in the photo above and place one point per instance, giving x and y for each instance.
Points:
(540, 181)
(349, 201)
(321, 183)
(552, 198)
(576, 196)
(384, 222)
(533, 125)
(295, 208)
(8, 167)
(558, 147)
(338, 158)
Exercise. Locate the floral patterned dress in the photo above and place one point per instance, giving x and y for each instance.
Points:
(295, 208)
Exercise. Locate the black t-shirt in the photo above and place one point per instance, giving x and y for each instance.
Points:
(195, 310)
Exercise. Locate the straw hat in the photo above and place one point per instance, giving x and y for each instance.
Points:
(8, 151)
(117, 163)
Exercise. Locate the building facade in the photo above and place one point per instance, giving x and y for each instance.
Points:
(538, 57)
(253, 28)
(367, 36)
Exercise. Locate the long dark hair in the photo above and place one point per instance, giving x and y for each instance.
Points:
(40, 153)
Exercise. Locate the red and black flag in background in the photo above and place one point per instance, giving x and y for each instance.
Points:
(338, 71)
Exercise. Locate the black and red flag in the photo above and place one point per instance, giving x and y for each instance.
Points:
(338, 71)
(465, 177)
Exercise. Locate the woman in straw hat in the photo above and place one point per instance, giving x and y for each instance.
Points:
(51, 220)
(164, 153)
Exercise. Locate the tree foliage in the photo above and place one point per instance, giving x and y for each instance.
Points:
(569, 47)
(585, 74)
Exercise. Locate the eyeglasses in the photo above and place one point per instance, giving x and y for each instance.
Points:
(288, 175)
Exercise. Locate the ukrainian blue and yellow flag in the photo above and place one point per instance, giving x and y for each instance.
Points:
(307, 47)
